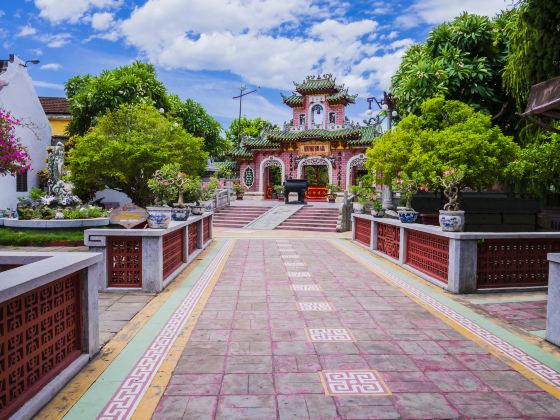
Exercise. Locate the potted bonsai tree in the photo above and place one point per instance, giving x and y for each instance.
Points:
(164, 190)
(407, 187)
(279, 190)
(451, 219)
(238, 190)
(332, 190)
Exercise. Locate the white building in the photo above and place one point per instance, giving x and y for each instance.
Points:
(18, 96)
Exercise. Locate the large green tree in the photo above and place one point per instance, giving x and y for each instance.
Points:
(249, 127)
(197, 121)
(445, 134)
(126, 146)
(460, 60)
(533, 35)
(92, 96)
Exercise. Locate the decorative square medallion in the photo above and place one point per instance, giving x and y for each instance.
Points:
(315, 306)
(305, 288)
(329, 334)
(289, 256)
(293, 264)
(353, 382)
(299, 274)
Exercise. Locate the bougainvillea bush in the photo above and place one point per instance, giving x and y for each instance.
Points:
(14, 157)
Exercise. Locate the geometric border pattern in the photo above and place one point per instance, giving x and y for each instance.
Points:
(126, 398)
(353, 382)
(545, 372)
(320, 335)
(314, 306)
(305, 288)
(299, 274)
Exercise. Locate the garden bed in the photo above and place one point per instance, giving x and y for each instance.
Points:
(35, 237)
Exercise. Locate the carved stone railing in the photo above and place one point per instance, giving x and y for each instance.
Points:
(462, 262)
(148, 259)
(49, 325)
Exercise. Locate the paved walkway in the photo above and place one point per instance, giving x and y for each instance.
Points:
(296, 328)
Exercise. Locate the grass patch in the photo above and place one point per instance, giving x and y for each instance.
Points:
(38, 237)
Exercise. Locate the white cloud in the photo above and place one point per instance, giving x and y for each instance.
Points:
(2, 13)
(56, 40)
(57, 11)
(250, 38)
(48, 85)
(437, 11)
(26, 30)
(51, 66)
(101, 21)
(36, 51)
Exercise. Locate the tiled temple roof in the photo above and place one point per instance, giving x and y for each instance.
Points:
(336, 94)
(316, 84)
(314, 134)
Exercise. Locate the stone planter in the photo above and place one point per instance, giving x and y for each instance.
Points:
(331, 198)
(180, 214)
(208, 205)
(159, 217)
(197, 210)
(408, 216)
(452, 221)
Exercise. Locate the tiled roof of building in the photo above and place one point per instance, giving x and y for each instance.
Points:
(261, 142)
(55, 105)
(315, 134)
(341, 97)
(240, 152)
(316, 84)
(294, 101)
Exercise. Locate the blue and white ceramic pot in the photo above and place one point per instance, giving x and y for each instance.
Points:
(180, 214)
(408, 216)
(159, 217)
(452, 221)
(197, 210)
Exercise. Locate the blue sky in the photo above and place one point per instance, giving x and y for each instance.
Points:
(205, 49)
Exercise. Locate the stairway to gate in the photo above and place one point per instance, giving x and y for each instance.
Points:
(237, 216)
(310, 218)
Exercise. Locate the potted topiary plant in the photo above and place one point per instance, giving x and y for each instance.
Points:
(377, 210)
(164, 190)
(407, 187)
(279, 189)
(238, 190)
(451, 219)
(332, 190)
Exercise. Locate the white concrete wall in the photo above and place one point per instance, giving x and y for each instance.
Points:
(18, 96)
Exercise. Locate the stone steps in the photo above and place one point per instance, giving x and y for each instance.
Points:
(314, 219)
(237, 216)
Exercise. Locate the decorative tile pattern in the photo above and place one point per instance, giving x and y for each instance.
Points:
(329, 334)
(125, 399)
(289, 256)
(353, 382)
(299, 274)
(315, 306)
(545, 372)
(294, 264)
(305, 288)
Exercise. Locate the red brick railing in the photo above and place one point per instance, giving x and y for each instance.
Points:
(173, 249)
(514, 262)
(40, 335)
(388, 240)
(363, 231)
(124, 261)
(206, 230)
(428, 253)
(193, 238)
(463, 261)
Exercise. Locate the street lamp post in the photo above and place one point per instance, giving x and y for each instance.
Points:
(386, 104)
(242, 93)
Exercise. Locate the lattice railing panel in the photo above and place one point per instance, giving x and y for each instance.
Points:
(514, 262)
(124, 261)
(363, 231)
(388, 239)
(40, 335)
(428, 253)
(193, 238)
(173, 245)
(206, 229)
